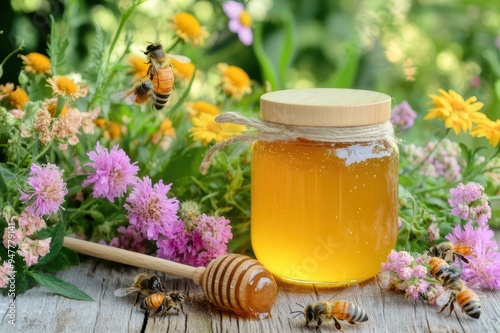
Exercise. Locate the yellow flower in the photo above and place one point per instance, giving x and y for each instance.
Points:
(17, 97)
(207, 130)
(51, 106)
(182, 71)
(199, 107)
(66, 86)
(36, 63)
(111, 129)
(165, 130)
(188, 28)
(456, 112)
(488, 129)
(235, 81)
(140, 67)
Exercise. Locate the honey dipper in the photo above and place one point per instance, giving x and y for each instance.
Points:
(233, 281)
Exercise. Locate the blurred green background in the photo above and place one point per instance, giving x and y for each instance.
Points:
(404, 48)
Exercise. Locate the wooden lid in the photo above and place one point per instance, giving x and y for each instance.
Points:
(326, 107)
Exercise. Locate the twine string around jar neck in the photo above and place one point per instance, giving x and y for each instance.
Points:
(268, 131)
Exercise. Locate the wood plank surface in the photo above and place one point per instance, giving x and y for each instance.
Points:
(39, 310)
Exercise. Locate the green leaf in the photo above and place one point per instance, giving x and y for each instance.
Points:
(22, 283)
(74, 183)
(59, 286)
(406, 181)
(344, 78)
(56, 47)
(64, 259)
(268, 70)
(287, 50)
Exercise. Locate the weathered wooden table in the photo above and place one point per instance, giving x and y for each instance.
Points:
(38, 310)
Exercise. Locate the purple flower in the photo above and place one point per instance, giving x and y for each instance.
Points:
(442, 163)
(483, 269)
(177, 246)
(403, 115)
(408, 274)
(48, 190)
(214, 233)
(113, 172)
(150, 211)
(239, 21)
(130, 239)
(205, 242)
(470, 202)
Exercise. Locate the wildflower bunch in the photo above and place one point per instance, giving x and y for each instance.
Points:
(81, 159)
(470, 203)
(408, 274)
(444, 165)
(437, 160)
(21, 227)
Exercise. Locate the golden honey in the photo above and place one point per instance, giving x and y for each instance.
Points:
(324, 212)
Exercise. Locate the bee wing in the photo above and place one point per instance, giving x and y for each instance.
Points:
(130, 97)
(353, 288)
(118, 97)
(443, 298)
(122, 292)
(180, 58)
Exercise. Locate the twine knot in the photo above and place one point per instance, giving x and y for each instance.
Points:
(268, 131)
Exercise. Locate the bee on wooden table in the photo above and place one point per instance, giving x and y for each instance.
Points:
(160, 72)
(449, 251)
(456, 289)
(144, 284)
(337, 311)
(161, 303)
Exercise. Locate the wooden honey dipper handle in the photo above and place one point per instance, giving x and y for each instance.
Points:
(134, 259)
(233, 281)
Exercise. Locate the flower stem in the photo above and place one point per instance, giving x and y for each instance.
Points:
(18, 49)
(477, 170)
(427, 157)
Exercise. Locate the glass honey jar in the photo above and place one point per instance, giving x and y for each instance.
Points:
(324, 194)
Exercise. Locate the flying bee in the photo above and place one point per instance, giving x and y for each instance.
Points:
(139, 94)
(338, 311)
(159, 58)
(449, 251)
(162, 302)
(161, 72)
(144, 284)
